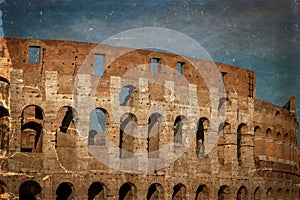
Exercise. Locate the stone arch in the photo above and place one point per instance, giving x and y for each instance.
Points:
(179, 192)
(287, 193)
(3, 191)
(127, 129)
(126, 94)
(65, 191)
(279, 193)
(4, 90)
(257, 194)
(4, 128)
(67, 117)
(224, 193)
(269, 142)
(202, 193)
(242, 193)
(128, 191)
(202, 127)
(155, 126)
(241, 132)
(155, 191)
(97, 127)
(224, 131)
(29, 190)
(178, 129)
(269, 193)
(279, 146)
(97, 191)
(32, 122)
(258, 141)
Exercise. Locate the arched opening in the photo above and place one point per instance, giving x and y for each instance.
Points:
(202, 127)
(29, 190)
(125, 94)
(178, 129)
(279, 194)
(223, 144)
(4, 128)
(3, 191)
(66, 116)
(269, 142)
(242, 130)
(96, 191)
(97, 127)
(242, 193)
(127, 129)
(155, 191)
(279, 146)
(257, 194)
(64, 191)
(269, 193)
(202, 193)
(154, 129)
(31, 140)
(224, 192)
(179, 192)
(4, 89)
(258, 142)
(32, 123)
(127, 192)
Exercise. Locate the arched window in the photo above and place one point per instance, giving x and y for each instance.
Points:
(127, 192)
(125, 94)
(127, 129)
(202, 193)
(178, 129)
(32, 123)
(154, 129)
(257, 194)
(242, 130)
(155, 191)
(97, 127)
(66, 115)
(4, 128)
(202, 127)
(29, 190)
(224, 192)
(64, 191)
(242, 193)
(179, 192)
(269, 193)
(96, 191)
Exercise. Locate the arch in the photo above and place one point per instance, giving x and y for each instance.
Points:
(64, 191)
(179, 192)
(202, 193)
(202, 126)
(286, 138)
(4, 80)
(155, 191)
(155, 123)
(269, 193)
(224, 129)
(224, 192)
(4, 128)
(257, 131)
(97, 127)
(279, 193)
(241, 131)
(31, 140)
(127, 129)
(258, 142)
(29, 190)
(178, 126)
(32, 112)
(128, 191)
(269, 134)
(257, 193)
(242, 193)
(278, 137)
(96, 191)
(125, 94)
(66, 117)
(269, 142)
(3, 190)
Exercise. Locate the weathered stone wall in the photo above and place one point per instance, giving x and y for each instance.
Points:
(49, 90)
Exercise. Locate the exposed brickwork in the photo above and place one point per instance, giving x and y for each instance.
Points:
(44, 133)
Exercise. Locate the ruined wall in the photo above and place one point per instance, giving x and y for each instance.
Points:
(51, 94)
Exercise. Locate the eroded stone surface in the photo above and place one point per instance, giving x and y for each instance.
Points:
(48, 90)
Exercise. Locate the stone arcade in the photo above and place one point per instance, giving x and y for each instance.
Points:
(49, 142)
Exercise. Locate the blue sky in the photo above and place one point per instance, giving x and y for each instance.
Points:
(263, 36)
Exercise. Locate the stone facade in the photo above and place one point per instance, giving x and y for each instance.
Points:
(88, 121)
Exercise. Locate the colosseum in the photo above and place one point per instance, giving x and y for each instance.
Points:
(92, 121)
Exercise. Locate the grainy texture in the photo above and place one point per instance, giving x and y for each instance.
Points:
(44, 130)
